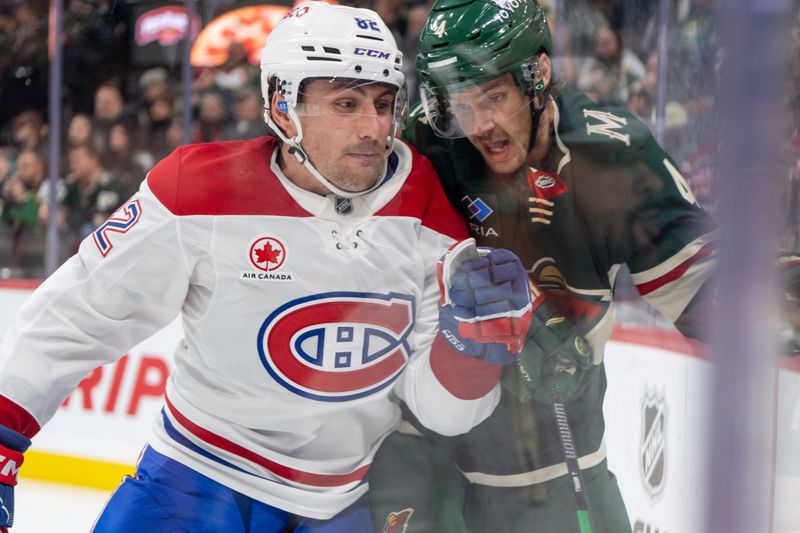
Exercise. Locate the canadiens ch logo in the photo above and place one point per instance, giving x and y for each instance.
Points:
(397, 522)
(267, 254)
(338, 346)
(652, 452)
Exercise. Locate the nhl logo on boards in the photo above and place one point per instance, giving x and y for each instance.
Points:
(344, 206)
(267, 254)
(652, 449)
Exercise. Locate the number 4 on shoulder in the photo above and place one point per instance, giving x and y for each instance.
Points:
(680, 182)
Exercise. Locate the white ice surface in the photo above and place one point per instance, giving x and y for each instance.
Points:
(42, 507)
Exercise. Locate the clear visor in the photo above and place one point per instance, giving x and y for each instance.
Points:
(465, 111)
(348, 99)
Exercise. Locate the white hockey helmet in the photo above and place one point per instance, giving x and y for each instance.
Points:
(318, 40)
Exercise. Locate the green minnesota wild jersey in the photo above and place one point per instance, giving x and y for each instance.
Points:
(607, 196)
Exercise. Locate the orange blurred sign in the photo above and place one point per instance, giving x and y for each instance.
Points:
(249, 26)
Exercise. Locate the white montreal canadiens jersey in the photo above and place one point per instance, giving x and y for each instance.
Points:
(303, 316)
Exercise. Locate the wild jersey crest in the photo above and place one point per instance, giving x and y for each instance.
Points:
(608, 124)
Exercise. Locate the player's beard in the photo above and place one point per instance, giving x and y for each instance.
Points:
(504, 148)
(358, 166)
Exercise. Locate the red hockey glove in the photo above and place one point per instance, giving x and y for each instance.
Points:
(489, 293)
(12, 446)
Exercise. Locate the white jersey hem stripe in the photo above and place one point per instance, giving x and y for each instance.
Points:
(279, 470)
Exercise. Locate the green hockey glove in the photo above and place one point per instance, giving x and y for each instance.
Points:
(555, 361)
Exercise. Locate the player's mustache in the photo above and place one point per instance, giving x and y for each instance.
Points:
(367, 147)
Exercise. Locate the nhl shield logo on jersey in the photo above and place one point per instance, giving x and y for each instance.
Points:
(652, 451)
(397, 522)
(343, 206)
(338, 346)
(268, 254)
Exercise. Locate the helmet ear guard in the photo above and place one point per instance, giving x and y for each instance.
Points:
(533, 81)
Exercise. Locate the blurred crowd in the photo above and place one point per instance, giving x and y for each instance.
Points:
(120, 117)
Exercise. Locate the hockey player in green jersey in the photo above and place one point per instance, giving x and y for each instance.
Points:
(576, 191)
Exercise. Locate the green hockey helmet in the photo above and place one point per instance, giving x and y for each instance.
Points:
(466, 43)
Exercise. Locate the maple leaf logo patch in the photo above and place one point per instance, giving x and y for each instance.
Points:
(267, 254)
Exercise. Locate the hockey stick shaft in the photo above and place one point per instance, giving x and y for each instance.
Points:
(570, 454)
(573, 468)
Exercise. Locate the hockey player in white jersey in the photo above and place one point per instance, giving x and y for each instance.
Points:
(304, 268)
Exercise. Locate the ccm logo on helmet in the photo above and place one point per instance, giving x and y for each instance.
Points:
(371, 53)
(338, 346)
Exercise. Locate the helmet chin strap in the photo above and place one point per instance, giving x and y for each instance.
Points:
(535, 90)
(537, 110)
(296, 149)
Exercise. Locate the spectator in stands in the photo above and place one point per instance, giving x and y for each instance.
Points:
(237, 72)
(153, 84)
(80, 130)
(606, 77)
(13, 198)
(109, 107)
(28, 130)
(91, 195)
(154, 128)
(174, 135)
(19, 206)
(213, 118)
(583, 20)
(234, 74)
(6, 164)
(125, 161)
(31, 169)
(248, 111)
